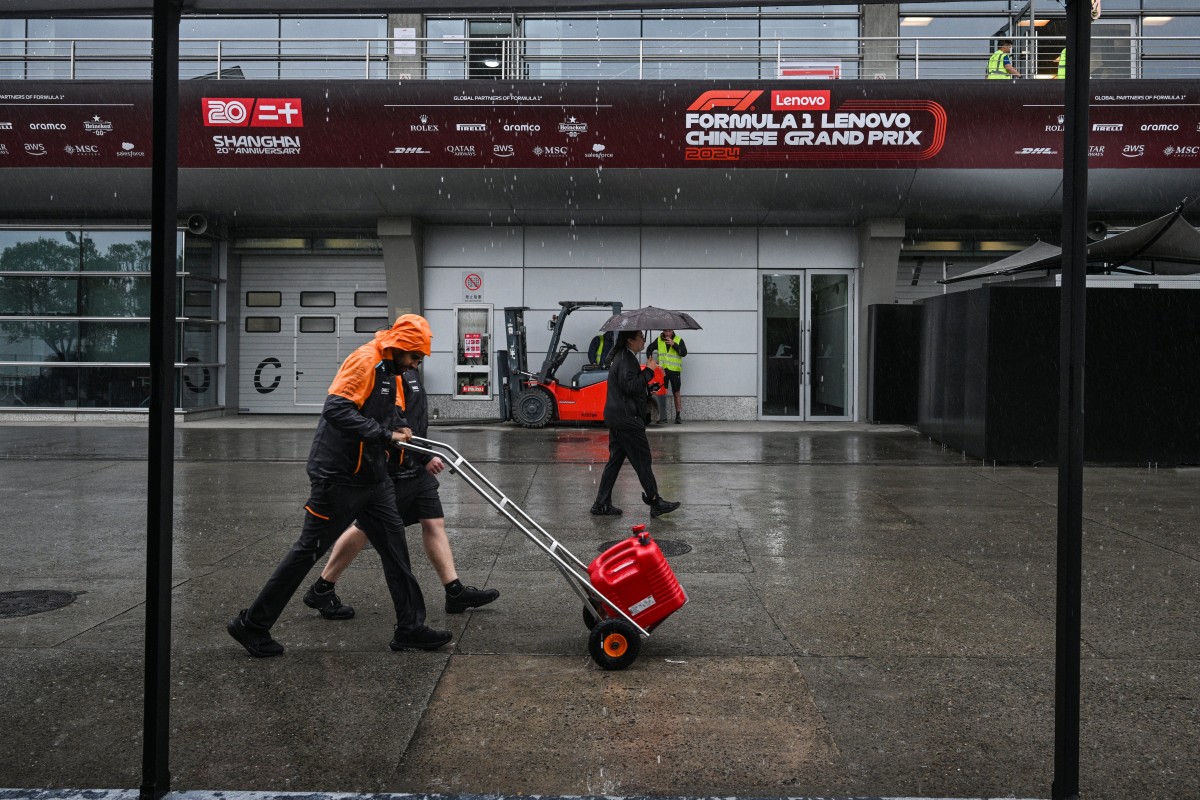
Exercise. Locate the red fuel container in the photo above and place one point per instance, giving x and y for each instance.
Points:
(636, 577)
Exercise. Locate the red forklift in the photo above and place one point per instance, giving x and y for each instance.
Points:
(533, 399)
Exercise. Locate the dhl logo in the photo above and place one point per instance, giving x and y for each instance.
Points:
(725, 98)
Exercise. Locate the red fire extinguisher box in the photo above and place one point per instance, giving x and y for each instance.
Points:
(636, 577)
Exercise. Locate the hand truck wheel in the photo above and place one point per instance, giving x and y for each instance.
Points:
(614, 644)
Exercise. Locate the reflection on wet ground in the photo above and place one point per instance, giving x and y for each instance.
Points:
(869, 615)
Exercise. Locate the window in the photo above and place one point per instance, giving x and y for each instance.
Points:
(264, 299)
(318, 299)
(318, 324)
(262, 324)
(369, 324)
(370, 300)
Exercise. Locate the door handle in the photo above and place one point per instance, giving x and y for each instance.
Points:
(298, 373)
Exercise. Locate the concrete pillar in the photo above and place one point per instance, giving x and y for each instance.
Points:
(403, 264)
(879, 58)
(879, 243)
(404, 55)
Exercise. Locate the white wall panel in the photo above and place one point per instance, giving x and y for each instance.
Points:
(473, 246)
(692, 291)
(714, 375)
(699, 248)
(544, 288)
(562, 247)
(808, 248)
(444, 286)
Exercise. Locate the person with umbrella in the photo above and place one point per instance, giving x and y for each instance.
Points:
(625, 416)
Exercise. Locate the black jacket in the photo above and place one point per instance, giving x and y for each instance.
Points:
(416, 411)
(625, 405)
(352, 444)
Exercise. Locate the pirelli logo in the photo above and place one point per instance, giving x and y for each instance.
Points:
(725, 98)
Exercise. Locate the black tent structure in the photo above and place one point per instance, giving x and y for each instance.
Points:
(166, 16)
(1167, 245)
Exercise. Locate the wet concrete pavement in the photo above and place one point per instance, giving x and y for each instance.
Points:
(869, 615)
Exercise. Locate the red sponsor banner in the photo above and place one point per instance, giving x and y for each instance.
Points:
(760, 124)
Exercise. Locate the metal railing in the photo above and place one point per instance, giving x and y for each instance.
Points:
(903, 57)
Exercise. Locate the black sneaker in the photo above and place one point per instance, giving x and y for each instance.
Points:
(329, 604)
(660, 507)
(258, 644)
(604, 510)
(678, 420)
(424, 638)
(469, 597)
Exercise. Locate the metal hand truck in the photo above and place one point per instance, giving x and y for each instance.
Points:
(614, 642)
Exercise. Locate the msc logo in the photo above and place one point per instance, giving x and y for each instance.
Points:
(260, 112)
(1036, 151)
(713, 154)
(727, 98)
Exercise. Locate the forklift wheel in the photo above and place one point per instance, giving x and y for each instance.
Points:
(534, 408)
(614, 644)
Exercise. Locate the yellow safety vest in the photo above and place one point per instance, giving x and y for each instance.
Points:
(1062, 66)
(668, 357)
(996, 70)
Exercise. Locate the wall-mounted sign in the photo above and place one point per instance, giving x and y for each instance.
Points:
(472, 283)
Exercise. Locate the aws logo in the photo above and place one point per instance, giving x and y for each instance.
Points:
(727, 98)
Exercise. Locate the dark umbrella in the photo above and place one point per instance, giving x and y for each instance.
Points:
(651, 318)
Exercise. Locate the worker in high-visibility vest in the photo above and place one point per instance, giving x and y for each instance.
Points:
(670, 351)
(1000, 66)
(1062, 65)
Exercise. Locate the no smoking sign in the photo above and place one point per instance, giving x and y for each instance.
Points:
(472, 283)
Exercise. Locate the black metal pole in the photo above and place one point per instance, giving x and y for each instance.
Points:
(160, 485)
(1072, 329)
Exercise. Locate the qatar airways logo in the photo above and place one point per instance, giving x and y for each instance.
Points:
(253, 112)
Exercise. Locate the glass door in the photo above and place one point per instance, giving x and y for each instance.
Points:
(806, 345)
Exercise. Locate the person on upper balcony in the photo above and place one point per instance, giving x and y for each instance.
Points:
(1000, 66)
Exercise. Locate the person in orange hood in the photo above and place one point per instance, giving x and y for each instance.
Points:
(347, 468)
(417, 499)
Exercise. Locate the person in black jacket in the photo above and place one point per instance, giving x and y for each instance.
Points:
(625, 415)
(347, 466)
(417, 499)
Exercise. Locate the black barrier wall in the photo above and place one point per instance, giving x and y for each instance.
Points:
(894, 353)
(988, 378)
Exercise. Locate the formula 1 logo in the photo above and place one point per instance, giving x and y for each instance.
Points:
(728, 98)
(254, 112)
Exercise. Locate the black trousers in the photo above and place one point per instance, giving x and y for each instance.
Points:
(626, 443)
(330, 509)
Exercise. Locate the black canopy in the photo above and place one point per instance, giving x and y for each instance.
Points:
(1168, 242)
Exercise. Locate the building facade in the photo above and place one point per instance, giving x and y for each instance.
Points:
(774, 171)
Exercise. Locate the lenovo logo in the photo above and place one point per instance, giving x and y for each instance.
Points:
(725, 98)
(791, 100)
